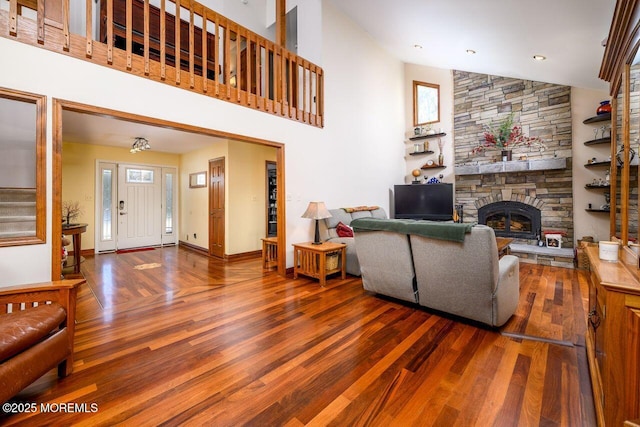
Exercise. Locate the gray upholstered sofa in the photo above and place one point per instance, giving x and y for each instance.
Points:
(457, 273)
(328, 232)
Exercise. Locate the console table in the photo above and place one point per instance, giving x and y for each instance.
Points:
(76, 231)
(311, 260)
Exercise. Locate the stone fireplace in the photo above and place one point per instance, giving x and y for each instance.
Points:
(531, 194)
(511, 219)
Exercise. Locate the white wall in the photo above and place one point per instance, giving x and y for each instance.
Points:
(583, 105)
(444, 78)
(355, 159)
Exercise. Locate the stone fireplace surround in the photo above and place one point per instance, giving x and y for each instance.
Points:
(542, 179)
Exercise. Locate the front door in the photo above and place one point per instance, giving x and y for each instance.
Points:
(216, 207)
(139, 206)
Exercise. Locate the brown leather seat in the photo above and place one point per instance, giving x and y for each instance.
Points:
(34, 340)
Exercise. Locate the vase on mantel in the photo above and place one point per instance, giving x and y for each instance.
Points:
(506, 155)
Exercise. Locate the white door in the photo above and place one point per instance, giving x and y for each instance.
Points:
(139, 206)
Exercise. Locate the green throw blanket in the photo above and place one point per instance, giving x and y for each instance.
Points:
(436, 230)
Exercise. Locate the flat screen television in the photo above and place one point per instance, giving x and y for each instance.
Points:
(424, 201)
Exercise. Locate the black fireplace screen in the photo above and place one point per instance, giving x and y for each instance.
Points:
(511, 219)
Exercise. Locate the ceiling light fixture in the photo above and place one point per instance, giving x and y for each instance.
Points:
(140, 144)
(539, 57)
(417, 46)
(471, 51)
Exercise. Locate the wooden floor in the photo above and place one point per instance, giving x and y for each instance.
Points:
(172, 337)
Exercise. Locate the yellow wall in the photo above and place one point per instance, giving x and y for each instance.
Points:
(194, 202)
(245, 193)
(79, 176)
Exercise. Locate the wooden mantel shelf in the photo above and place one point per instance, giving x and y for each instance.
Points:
(512, 166)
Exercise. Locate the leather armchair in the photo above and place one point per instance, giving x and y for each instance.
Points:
(37, 324)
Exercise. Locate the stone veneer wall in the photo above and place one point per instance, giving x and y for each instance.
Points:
(542, 109)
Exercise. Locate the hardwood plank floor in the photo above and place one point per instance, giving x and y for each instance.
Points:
(196, 341)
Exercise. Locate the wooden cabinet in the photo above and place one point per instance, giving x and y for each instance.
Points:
(613, 339)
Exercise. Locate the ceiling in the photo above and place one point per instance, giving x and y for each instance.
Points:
(102, 130)
(504, 33)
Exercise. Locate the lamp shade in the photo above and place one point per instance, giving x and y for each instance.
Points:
(316, 210)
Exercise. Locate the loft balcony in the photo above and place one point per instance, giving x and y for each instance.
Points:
(181, 43)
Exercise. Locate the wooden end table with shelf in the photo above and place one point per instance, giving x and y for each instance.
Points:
(311, 260)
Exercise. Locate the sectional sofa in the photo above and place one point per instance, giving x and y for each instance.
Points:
(452, 268)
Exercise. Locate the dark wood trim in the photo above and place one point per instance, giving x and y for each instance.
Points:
(622, 42)
(244, 256)
(193, 247)
(40, 164)
(60, 105)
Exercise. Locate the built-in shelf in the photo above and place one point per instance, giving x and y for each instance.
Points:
(433, 167)
(421, 152)
(597, 186)
(598, 164)
(598, 210)
(435, 135)
(599, 118)
(513, 166)
(598, 141)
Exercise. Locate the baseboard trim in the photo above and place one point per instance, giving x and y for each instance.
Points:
(194, 248)
(244, 256)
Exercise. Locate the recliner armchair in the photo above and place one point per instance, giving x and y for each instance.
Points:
(37, 324)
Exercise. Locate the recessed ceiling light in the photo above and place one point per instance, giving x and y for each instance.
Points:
(539, 57)
(417, 46)
(471, 51)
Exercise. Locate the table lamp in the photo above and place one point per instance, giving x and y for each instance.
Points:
(316, 211)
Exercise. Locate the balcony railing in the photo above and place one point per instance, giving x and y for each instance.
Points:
(178, 42)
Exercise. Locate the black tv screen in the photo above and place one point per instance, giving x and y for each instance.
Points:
(424, 201)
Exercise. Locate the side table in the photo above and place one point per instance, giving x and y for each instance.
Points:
(311, 260)
(269, 252)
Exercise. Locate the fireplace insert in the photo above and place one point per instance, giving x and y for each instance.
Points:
(511, 219)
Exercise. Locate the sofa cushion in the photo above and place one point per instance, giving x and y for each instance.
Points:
(21, 330)
(344, 230)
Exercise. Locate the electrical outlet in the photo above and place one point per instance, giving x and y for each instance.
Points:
(194, 236)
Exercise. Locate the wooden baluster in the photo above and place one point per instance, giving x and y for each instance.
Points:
(163, 40)
(13, 17)
(146, 37)
(110, 31)
(89, 27)
(227, 62)
(40, 23)
(129, 42)
(291, 80)
(258, 76)
(303, 116)
(248, 58)
(267, 77)
(319, 120)
(283, 82)
(192, 79)
(65, 24)
(238, 65)
(177, 43)
(205, 51)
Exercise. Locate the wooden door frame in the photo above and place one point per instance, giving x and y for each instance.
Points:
(56, 170)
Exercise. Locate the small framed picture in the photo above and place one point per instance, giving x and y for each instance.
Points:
(198, 179)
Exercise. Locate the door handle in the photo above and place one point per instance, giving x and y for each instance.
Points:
(122, 213)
